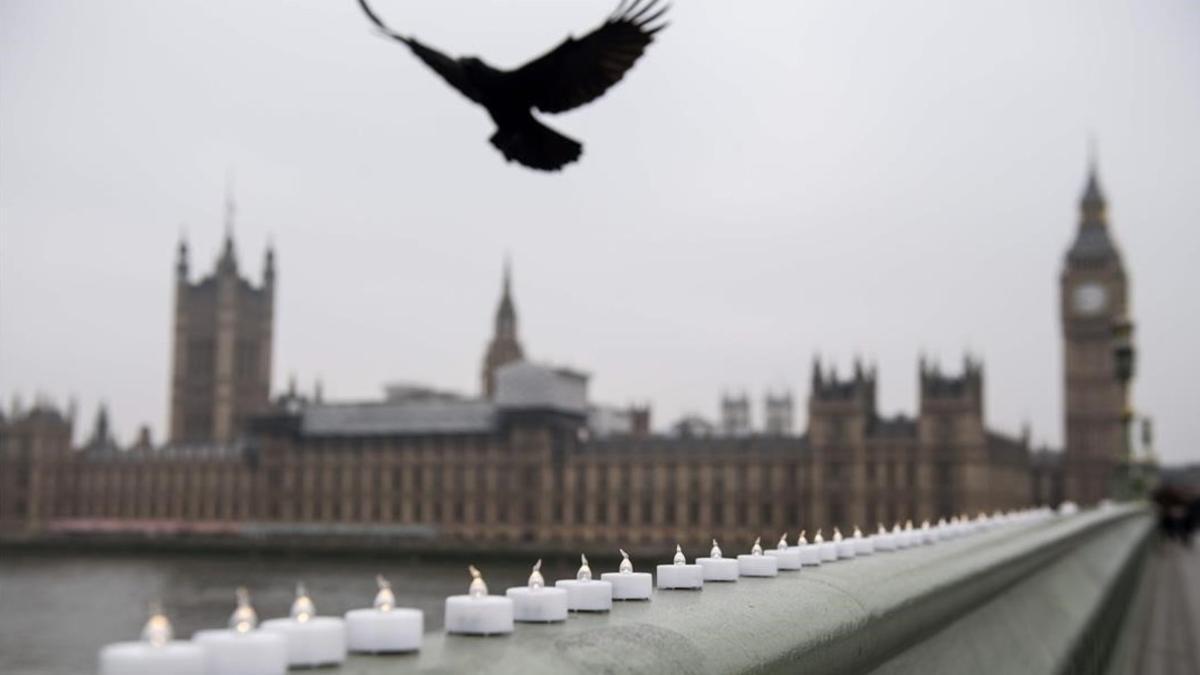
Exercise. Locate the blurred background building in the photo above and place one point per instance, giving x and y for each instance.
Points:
(532, 460)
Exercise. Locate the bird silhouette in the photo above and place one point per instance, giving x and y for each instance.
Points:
(572, 74)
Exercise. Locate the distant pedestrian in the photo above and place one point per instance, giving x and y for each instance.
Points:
(1178, 512)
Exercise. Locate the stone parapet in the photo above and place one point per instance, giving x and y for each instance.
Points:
(1036, 598)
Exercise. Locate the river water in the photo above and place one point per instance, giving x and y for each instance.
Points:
(58, 609)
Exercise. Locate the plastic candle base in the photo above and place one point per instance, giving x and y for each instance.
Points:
(810, 555)
(587, 596)
(229, 652)
(630, 585)
(375, 631)
(863, 546)
(788, 559)
(682, 577)
(719, 569)
(141, 658)
(845, 549)
(485, 615)
(884, 542)
(538, 605)
(320, 641)
(829, 552)
(750, 565)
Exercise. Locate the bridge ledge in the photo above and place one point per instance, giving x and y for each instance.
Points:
(943, 608)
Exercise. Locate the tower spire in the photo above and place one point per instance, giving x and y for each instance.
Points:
(181, 261)
(1093, 191)
(1092, 205)
(506, 312)
(228, 261)
(230, 208)
(269, 263)
(507, 275)
(504, 346)
(1093, 153)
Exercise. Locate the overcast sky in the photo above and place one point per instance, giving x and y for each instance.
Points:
(774, 179)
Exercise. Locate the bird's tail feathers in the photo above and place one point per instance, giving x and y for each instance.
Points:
(536, 145)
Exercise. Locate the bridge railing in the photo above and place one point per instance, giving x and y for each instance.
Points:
(1043, 597)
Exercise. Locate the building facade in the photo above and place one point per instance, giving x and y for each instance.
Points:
(521, 470)
(533, 463)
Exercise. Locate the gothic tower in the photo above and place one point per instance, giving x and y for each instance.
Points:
(778, 414)
(504, 347)
(841, 415)
(953, 471)
(735, 415)
(221, 364)
(1093, 300)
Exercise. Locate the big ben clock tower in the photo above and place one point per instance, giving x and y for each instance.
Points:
(1093, 304)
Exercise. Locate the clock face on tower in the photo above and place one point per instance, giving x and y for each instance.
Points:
(1089, 298)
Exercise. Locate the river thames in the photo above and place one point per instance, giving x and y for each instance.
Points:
(58, 609)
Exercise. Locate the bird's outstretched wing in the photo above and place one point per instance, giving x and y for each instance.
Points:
(579, 71)
(450, 69)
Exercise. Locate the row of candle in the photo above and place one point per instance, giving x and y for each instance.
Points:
(305, 639)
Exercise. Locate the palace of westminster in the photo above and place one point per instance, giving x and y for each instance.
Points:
(531, 462)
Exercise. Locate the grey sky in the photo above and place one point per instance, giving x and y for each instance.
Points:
(774, 179)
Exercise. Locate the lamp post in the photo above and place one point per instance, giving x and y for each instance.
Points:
(1124, 358)
(1149, 461)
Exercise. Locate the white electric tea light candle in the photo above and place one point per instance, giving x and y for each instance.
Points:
(982, 522)
(679, 574)
(312, 641)
(810, 554)
(755, 564)
(925, 535)
(627, 584)
(788, 557)
(585, 594)
(827, 549)
(939, 532)
(240, 649)
(478, 613)
(535, 603)
(950, 529)
(959, 525)
(862, 545)
(156, 653)
(384, 628)
(883, 540)
(717, 567)
(844, 547)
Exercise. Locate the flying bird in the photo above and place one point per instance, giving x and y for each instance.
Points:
(572, 74)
